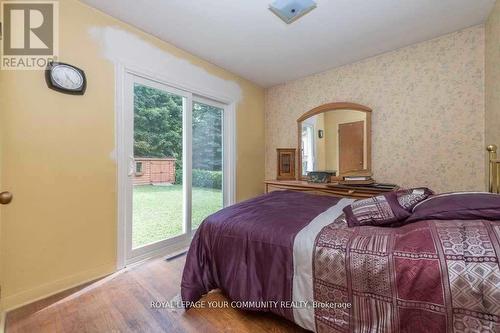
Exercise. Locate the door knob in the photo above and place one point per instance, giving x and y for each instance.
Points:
(5, 198)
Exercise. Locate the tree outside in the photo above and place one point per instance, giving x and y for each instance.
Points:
(158, 133)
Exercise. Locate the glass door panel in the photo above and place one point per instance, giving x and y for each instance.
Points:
(157, 180)
(207, 160)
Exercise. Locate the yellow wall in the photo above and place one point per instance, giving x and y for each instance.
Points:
(320, 142)
(492, 64)
(1, 189)
(61, 228)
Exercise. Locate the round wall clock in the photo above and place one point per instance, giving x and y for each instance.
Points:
(65, 78)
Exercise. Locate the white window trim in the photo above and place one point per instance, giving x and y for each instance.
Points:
(229, 144)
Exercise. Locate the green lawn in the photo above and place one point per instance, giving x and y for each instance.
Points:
(157, 211)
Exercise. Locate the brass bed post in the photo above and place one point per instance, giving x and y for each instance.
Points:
(494, 170)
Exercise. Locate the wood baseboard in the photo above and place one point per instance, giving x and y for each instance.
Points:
(11, 302)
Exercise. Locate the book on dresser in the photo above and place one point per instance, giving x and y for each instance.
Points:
(357, 178)
(373, 187)
(360, 179)
(357, 182)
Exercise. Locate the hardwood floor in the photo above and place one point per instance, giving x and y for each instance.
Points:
(122, 303)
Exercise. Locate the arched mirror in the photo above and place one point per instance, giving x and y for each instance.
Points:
(335, 137)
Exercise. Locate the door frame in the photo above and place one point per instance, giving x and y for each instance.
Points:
(122, 72)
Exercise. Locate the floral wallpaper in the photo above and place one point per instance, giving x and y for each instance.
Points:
(493, 77)
(428, 111)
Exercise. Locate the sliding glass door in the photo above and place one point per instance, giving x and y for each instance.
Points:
(208, 150)
(174, 151)
(157, 196)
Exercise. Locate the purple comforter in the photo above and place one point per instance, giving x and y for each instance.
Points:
(246, 250)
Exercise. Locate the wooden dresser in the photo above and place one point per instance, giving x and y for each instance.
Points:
(324, 189)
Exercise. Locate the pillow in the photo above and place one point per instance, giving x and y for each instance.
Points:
(458, 206)
(386, 209)
(410, 197)
(380, 210)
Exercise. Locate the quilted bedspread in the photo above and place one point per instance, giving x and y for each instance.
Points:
(429, 276)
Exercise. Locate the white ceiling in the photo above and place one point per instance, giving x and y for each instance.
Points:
(246, 38)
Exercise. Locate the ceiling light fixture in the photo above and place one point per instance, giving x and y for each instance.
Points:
(291, 10)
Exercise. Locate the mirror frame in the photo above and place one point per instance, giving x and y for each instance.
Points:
(331, 107)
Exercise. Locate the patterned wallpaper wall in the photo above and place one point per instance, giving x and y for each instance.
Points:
(493, 77)
(428, 111)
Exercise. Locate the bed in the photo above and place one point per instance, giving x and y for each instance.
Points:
(295, 255)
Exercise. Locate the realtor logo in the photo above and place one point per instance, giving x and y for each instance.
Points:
(29, 34)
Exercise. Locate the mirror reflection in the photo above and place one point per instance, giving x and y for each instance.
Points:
(334, 141)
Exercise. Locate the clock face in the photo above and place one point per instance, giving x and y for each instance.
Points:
(67, 77)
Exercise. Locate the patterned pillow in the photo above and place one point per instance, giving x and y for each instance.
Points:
(380, 210)
(411, 197)
(386, 209)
